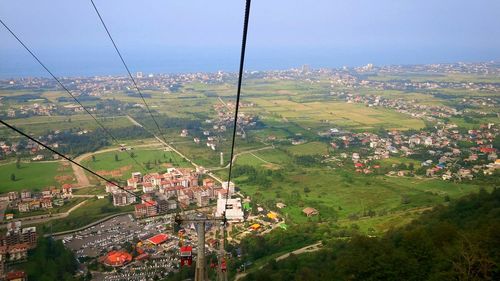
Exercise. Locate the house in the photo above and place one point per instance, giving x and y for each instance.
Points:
(141, 210)
(67, 191)
(148, 187)
(18, 252)
(162, 206)
(146, 209)
(46, 203)
(184, 200)
(208, 182)
(25, 194)
(13, 196)
(355, 157)
(272, 215)
(310, 212)
(122, 198)
(16, 276)
(110, 188)
(172, 204)
(280, 205)
(255, 227)
(34, 205)
(465, 173)
(132, 182)
(23, 207)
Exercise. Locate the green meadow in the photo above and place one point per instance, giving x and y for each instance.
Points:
(34, 176)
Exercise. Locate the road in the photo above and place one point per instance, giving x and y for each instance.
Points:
(306, 249)
(251, 151)
(46, 218)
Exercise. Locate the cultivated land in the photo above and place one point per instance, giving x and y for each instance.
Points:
(314, 114)
(285, 109)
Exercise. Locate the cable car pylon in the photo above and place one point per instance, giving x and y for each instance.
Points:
(200, 221)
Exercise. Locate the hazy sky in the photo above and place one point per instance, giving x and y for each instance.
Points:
(282, 32)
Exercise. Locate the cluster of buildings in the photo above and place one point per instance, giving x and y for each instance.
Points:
(224, 118)
(162, 191)
(99, 85)
(408, 107)
(26, 201)
(14, 244)
(32, 109)
(441, 152)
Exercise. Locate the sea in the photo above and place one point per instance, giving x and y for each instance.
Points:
(78, 62)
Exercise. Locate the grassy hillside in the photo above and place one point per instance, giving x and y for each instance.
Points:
(34, 176)
(459, 242)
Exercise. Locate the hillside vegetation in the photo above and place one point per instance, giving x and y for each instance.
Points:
(459, 242)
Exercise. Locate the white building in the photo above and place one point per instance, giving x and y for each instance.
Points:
(233, 209)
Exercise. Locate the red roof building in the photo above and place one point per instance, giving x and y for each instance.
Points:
(117, 258)
(158, 239)
(16, 276)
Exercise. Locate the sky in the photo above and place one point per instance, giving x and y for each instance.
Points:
(200, 35)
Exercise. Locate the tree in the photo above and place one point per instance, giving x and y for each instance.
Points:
(13, 177)
(411, 166)
(116, 158)
(132, 155)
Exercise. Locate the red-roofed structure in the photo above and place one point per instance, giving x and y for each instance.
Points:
(158, 239)
(16, 276)
(117, 258)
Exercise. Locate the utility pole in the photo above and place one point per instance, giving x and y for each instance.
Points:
(200, 273)
(200, 220)
(221, 275)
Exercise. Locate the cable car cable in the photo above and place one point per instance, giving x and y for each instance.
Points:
(68, 91)
(70, 160)
(238, 95)
(128, 71)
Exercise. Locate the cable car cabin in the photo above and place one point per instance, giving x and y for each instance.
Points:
(186, 254)
(223, 265)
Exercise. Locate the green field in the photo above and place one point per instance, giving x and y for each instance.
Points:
(105, 163)
(286, 110)
(346, 195)
(41, 124)
(310, 148)
(312, 114)
(34, 176)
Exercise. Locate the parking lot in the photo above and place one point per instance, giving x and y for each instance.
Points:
(99, 239)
